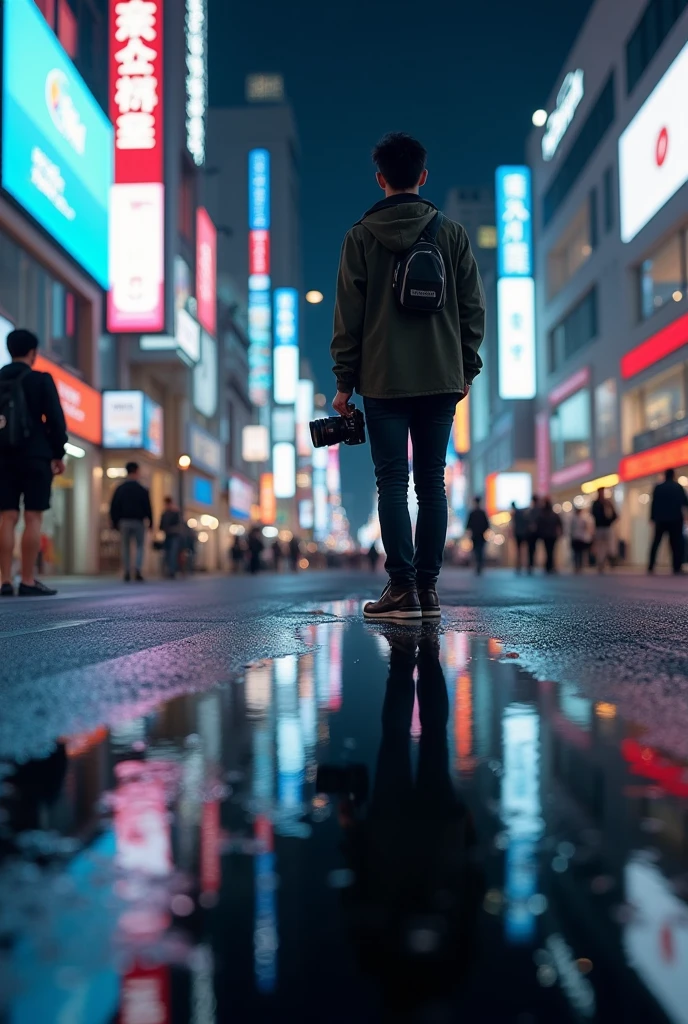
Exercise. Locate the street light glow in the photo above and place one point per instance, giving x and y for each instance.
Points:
(314, 297)
(184, 461)
(540, 118)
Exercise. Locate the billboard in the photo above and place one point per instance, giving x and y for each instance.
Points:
(196, 78)
(132, 420)
(259, 305)
(284, 469)
(653, 150)
(205, 377)
(286, 353)
(56, 142)
(515, 287)
(206, 271)
(137, 293)
(241, 495)
(81, 404)
(516, 327)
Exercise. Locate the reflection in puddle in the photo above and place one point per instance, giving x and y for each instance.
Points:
(395, 823)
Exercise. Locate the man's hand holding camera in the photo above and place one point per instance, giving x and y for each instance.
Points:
(341, 403)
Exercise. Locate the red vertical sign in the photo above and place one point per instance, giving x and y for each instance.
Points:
(206, 271)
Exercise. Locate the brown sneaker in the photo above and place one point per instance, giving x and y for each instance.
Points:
(429, 602)
(398, 602)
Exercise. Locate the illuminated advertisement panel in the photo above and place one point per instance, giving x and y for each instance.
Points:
(653, 150)
(515, 287)
(284, 469)
(259, 304)
(286, 354)
(206, 271)
(56, 141)
(137, 219)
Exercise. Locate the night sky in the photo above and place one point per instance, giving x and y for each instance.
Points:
(463, 77)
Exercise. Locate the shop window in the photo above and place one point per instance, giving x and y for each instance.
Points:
(569, 429)
(574, 247)
(67, 28)
(662, 276)
(575, 331)
(600, 118)
(665, 400)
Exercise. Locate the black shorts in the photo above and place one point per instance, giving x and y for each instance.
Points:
(32, 478)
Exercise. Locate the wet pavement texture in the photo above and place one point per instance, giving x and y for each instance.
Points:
(374, 823)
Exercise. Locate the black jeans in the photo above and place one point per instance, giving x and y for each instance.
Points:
(479, 554)
(550, 544)
(428, 419)
(675, 531)
(578, 547)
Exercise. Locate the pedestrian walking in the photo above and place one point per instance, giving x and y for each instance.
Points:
(520, 531)
(604, 515)
(294, 553)
(669, 512)
(189, 539)
(410, 367)
(550, 530)
(32, 439)
(277, 554)
(255, 550)
(478, 524)
(238, 554)
(172, 526)
(373, 556)
(582, 532)
(130, 513)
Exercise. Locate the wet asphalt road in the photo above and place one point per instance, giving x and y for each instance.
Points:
(229, 799)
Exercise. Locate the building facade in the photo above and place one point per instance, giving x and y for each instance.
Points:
(610, 205)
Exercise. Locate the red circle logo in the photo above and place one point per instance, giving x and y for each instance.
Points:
(662, 147)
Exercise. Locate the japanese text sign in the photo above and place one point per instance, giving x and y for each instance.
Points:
(514, 222)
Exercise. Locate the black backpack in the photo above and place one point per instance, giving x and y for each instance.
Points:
(420, 276)
(14, 413)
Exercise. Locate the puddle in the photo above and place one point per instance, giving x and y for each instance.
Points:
(398, 825)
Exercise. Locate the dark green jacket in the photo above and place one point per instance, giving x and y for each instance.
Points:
(381, 350)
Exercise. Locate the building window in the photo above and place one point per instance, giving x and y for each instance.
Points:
(577, 329)
(593, 130)
(657, 21)
(663, 276)
(665, 399)
(569, 431)
(608, 199)
(573, 248)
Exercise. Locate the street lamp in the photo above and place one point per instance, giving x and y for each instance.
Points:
(540, 118)
(184, 461)
(314, 297)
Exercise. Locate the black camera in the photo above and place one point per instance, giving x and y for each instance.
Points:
(338, 430)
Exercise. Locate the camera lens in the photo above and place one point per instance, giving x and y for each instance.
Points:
(327, 431)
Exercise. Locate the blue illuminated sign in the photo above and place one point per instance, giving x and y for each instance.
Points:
(201, 491)
(514, 222)
(259, 189)
(286, 316)
(57, 144)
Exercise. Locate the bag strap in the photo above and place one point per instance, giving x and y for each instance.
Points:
(430, 232)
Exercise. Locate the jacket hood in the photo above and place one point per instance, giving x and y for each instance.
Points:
(398, 226)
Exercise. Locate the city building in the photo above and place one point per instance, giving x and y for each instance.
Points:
(252, 182)
(610, 214)
(57, 170)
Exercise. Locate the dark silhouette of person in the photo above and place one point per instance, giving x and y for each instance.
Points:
(478, 524)
(255, 550)
(669, 510)
(413, 905)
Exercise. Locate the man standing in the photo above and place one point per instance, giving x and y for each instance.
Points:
(32, 439)
(130, 512)
(409, 320)
(669, 504)
(604, 514)
(478, 524)
(172, 526)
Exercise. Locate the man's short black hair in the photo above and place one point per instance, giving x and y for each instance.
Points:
(21, 342)
(132, 467)
(670, 474)
(400, 159)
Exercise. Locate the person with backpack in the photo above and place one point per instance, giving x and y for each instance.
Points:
(33, 434)
(409, 321)
(604, 514)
